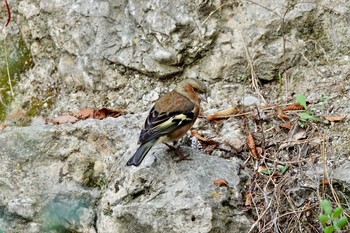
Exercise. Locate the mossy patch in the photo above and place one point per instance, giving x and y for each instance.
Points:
(15, 59)
(35, 106)
(311, 29)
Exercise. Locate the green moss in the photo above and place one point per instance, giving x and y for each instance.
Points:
(311, 30)
(35, 106)
(17, 57)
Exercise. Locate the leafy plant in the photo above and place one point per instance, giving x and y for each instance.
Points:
(301, 99)
(332, 219)
(307, 115)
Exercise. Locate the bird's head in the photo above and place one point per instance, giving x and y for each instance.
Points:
(193, 89)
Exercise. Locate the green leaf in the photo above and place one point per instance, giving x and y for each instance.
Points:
(284, 169)
(326, 206)
(307, 116)
(329, 229)
(326, 122)
(266, 172)
(337, 212)
(324, 218)
(301, 99)
(341, 222)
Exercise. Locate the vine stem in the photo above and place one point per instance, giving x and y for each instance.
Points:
(8, 13)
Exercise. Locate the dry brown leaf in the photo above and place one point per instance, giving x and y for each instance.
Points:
(63, 119)
(287, 125)
(197, 135)
(293, 107)
(334, 118)
(248, 199)
(221, 182)
(84, 113)
(281, 114)
(2, 126)
(251, 145)
(105, 112)
(222, 114)
(259, 151)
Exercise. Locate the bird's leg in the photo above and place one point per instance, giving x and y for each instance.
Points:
(170, 147)
(178, 152)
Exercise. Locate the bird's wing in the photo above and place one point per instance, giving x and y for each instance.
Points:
(169, 113)
(162, 123)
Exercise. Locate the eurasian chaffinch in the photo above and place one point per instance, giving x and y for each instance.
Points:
(171, 117)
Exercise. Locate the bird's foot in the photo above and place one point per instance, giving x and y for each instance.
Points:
(178, 152)
(182, 157)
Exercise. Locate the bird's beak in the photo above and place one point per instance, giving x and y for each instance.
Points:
(204, 97)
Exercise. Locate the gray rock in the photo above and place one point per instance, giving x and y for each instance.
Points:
(74, 178)
(22, 207)
(175, 197)
(82, 49)
(342, 173)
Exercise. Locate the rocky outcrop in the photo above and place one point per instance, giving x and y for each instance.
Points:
(86, 53)
(73, 178)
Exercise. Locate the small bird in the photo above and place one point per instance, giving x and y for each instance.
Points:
(170, 118)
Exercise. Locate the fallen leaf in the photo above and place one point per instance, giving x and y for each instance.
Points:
(293, 107)
(2, 126)
(287, 125)
(281, 114)
(197, 135)
(84, 113)
(259, 151)
(265, 170)
(334, 118)
(221, 182)
(222, 114)
(248, 199)
(105, 112)
(63, 119)
(251, 145)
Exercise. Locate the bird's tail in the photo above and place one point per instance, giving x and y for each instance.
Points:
(140, 154)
